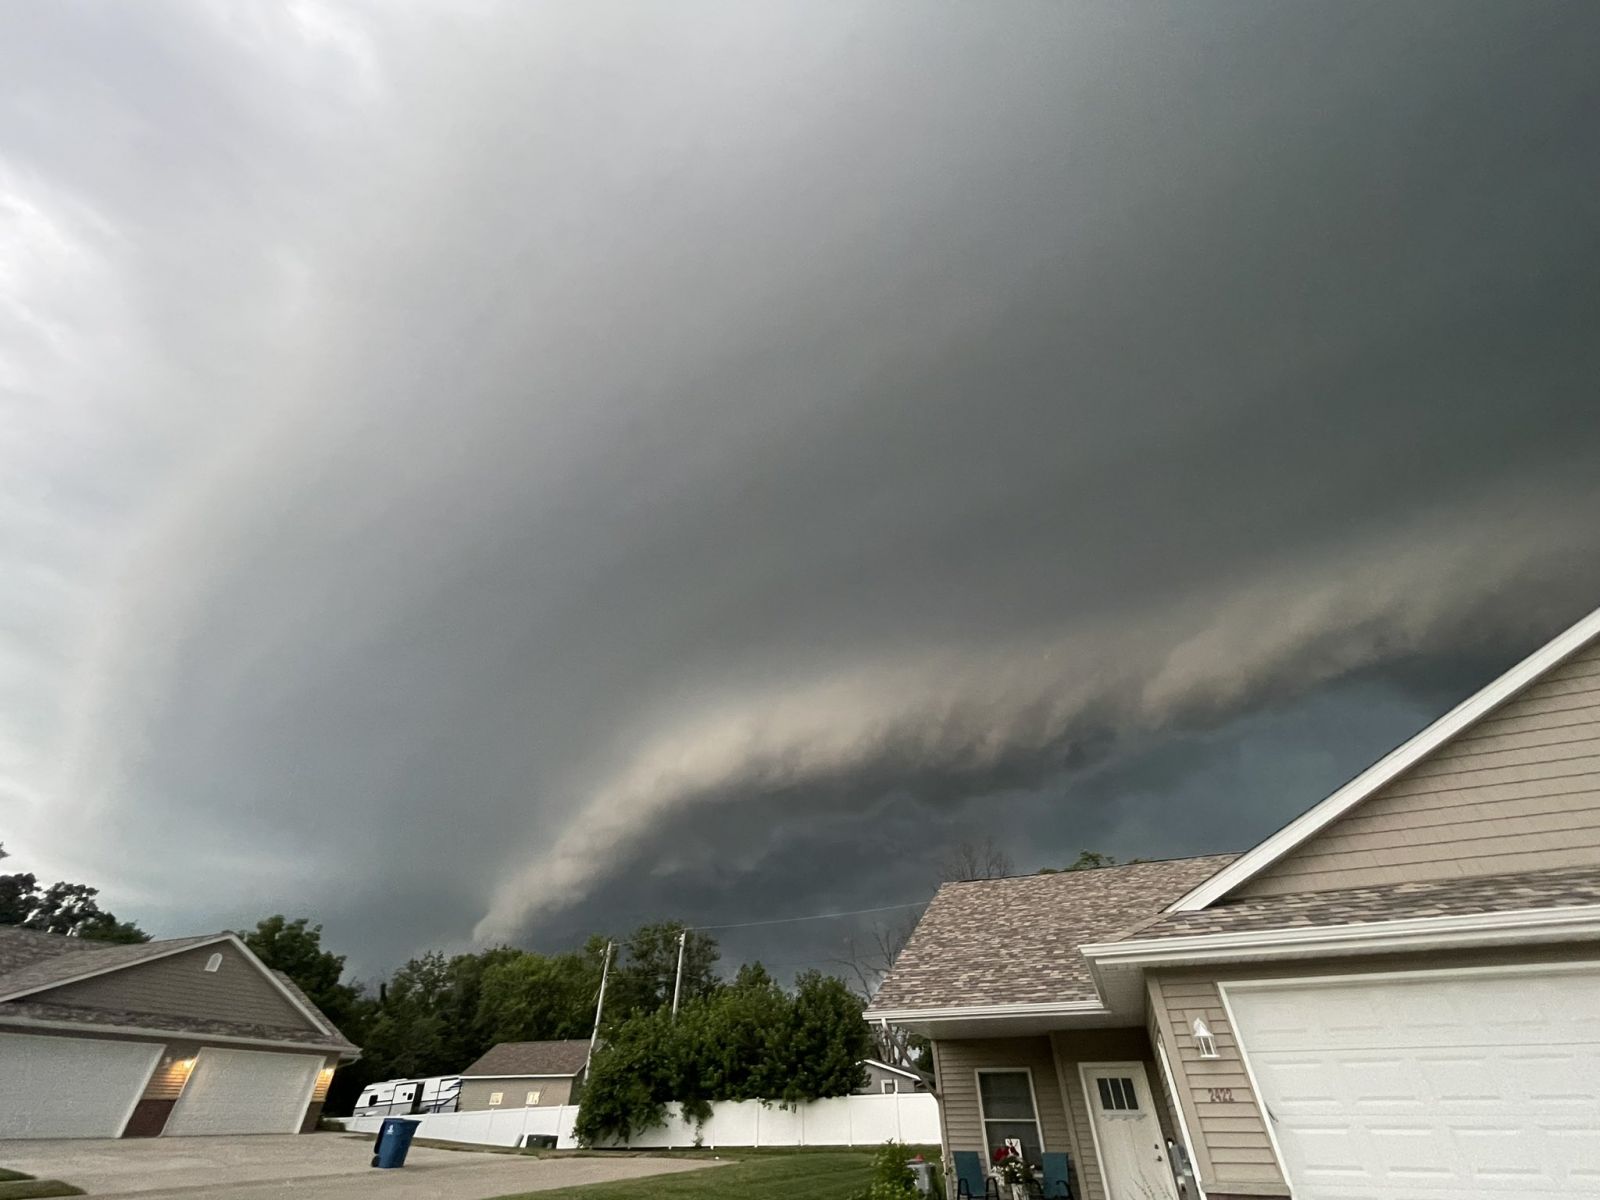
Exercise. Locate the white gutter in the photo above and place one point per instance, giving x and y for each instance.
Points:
(987, 1012)
(1413, 933)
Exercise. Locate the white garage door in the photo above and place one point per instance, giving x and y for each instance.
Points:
(245, 1091)
(1467, 1086)
(70, 1087)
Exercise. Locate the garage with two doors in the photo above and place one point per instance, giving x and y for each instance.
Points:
(189, 1037)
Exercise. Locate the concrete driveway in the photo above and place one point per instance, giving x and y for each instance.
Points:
(313, 1166)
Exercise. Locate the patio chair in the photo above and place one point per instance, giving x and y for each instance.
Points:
(972, 1181)
(1057, 1176)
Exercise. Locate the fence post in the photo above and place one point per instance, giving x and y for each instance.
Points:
(802, 1106)
(897, 1127)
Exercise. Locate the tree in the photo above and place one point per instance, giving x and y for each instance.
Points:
(295, 948)
(69, 909)
(643, 980)
(750, 1040)
(1089, 860)
(975, 858)
(867, 962)
(531, 997)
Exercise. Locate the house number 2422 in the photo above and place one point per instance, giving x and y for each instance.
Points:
(1221, 1095)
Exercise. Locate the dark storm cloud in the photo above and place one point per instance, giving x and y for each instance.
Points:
(498, 471)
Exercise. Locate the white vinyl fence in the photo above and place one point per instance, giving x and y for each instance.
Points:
(841, 1121)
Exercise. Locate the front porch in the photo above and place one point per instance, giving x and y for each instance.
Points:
(1098, 1095)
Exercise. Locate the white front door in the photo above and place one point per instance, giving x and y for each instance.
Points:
(1127, 1135)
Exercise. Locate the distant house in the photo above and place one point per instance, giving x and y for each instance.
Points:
(183, 1036)
(882, 1079)
(525, 1075)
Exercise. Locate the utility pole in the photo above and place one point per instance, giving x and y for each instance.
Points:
(599, 1008)
(677, 984)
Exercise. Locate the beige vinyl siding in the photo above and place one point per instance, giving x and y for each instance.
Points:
(475, 1093)
(179, 985)
(1232, 1148)
(1099, 1045)
(958, 1064)
(1518, 791)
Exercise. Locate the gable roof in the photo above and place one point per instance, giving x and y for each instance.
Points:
(1013, 943)
(33, 964)
(512, 1059)
(1462, 717)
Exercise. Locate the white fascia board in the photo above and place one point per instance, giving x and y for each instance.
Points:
(1413, 933)
(1391, 765)
(980, 1012)
(8, 1021)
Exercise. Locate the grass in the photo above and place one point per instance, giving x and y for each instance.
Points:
(17, 1186)
(751, 1175)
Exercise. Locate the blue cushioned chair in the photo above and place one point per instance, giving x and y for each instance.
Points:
(972, 1181)
(1057, 1176)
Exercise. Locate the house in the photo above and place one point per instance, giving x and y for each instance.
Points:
(408, 1097)
(525, 1075)
(1395, 995)
(883, 1079)
(183, 1036)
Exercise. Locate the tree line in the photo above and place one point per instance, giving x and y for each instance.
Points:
(747, 1038)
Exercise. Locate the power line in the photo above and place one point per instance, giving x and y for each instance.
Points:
(857, 912)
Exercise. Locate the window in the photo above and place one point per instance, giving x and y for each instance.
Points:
(1005, 1101)
(1203, 1041)
(533, 1097)
(888, 1087)
(214, 964)
(372, 1098)
(1117, 1094)
(495, 1098)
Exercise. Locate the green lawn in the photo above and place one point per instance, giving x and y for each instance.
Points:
(803, 1175)
(14, 1185)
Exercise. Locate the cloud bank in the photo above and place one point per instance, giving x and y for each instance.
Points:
(484, 471)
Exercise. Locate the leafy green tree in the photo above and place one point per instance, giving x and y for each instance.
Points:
(643, 978)
(65, 908)
(295, 948)
(530, 997)
(827, 1039)
(748, 1041)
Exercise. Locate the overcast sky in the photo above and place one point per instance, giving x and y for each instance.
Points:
(483, 471)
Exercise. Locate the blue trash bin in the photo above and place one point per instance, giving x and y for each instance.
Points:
(394, 1139)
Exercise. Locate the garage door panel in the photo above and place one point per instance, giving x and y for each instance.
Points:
(244, 1091)
(1466, 1086)
(58, 1087)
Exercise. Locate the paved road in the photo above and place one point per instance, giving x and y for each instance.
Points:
(317, 1166)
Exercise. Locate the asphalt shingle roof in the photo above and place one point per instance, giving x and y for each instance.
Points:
(69, 957)
(532, 1058)
(30, 960)
(1015, 940)
(1568, 887)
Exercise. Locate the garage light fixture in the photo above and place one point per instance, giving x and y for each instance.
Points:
(1203, 1041)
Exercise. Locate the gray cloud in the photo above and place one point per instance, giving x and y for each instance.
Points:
(468, 463)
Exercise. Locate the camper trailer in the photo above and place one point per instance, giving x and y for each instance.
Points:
(407, 1097)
